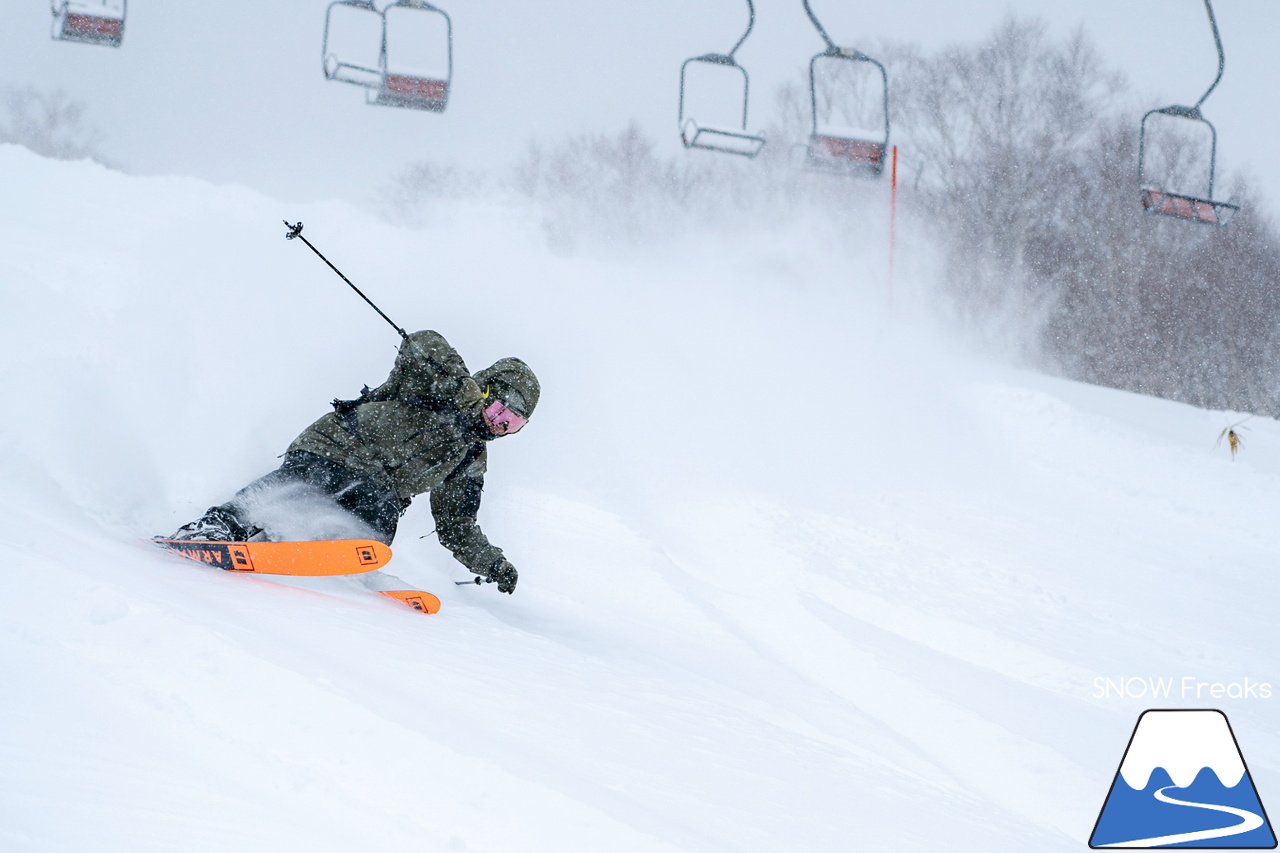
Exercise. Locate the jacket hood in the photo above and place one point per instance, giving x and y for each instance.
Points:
(512, 382)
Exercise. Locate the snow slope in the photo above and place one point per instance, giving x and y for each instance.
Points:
(794, 576)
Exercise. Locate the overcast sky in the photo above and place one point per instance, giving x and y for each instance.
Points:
(232, 90)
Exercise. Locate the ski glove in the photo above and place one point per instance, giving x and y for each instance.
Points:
(505, 575)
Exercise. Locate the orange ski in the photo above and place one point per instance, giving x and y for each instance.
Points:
(424, 602)
(315, 559)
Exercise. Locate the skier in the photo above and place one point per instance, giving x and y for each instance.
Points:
(423, 430)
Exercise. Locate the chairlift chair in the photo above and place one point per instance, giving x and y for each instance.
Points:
(382, 52)
(714, 136)
(352, 50)
(1160, 199)
(846, 150)
(89, 21)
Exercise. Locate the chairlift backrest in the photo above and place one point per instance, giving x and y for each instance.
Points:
(730, 137)
(89, 21)
(1185, 120)
(411, 27)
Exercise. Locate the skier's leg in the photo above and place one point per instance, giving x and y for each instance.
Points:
(373, 503)
(376, 506)
(233, 520)
(303, 487)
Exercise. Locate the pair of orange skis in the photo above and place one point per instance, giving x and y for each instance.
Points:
(301, 559)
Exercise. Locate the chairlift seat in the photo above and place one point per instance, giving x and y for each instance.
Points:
(1187, 207)
(92, 28)
(419, 93)
(855, 151)
(345, 70)
(89, 24)
(725, 140)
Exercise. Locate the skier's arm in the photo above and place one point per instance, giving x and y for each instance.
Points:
(454, 505)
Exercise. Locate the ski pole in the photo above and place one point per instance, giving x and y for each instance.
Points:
(296, 231)
(479, 580)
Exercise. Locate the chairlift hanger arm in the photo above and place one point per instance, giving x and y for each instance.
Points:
(1217, 40)
(751, 22)
(834, 49)
(1193, 112)
(831, 46)
(727, 58)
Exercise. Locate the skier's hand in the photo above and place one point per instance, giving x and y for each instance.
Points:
(505, 575)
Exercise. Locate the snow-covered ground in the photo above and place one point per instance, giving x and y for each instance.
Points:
(795, 574)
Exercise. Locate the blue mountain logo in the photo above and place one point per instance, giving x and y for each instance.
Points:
(1183, 783)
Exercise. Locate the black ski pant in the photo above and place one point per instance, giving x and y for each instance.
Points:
(373, 503)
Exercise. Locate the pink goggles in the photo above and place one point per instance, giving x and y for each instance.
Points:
(501, 420)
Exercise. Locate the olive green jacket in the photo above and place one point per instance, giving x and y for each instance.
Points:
(420, 431)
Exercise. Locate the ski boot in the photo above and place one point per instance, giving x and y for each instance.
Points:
(216, 525)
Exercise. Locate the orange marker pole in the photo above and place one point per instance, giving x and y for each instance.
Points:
(893, 217)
